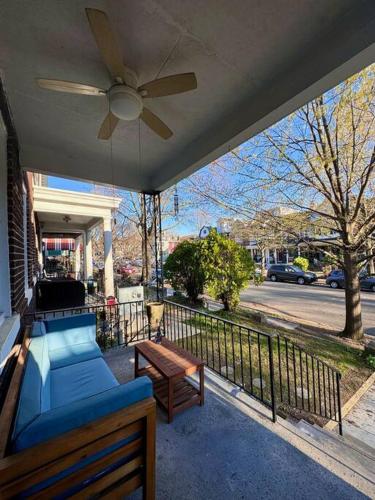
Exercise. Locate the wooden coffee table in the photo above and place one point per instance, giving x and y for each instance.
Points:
(169, 365)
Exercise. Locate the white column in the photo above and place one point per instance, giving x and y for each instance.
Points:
(77, 257)
(267, 256)
(88, 259)
(287, 256)
(40, 251)
(275, 255)
(108, 260)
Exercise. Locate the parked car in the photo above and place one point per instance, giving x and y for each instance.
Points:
(126, 270)
(288, 272)
(336, 279)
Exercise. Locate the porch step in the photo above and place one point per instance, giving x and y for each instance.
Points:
(350, 452)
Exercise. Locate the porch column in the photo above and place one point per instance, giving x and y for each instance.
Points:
(287, 256)
(88, 261)
(267, 256)
(77, 257)
(40, 252)
(275, 255)
(108, 260)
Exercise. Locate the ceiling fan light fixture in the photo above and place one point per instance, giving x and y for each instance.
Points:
(125, 102)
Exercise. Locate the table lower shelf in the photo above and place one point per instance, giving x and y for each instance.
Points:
(184, 393)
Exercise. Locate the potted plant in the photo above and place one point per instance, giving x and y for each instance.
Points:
(154, 314)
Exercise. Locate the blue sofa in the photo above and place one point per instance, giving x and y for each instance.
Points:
(67, 386)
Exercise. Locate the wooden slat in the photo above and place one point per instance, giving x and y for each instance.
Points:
(49, 470)
(184, 396)
(88, 471)
(33, 458)
(150, 452)
(10, 403)
(169, 359)
(110, 479)
(124, 489)
(187, 404)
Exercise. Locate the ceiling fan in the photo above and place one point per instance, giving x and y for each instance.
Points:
(126, 98)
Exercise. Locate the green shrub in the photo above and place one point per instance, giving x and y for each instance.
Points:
(301, 262)
(371, 360)
(228, 268)
(183, 268)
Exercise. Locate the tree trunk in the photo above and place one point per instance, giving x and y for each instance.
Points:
(353, 318)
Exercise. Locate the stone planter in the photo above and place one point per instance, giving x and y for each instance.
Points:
(154, 314)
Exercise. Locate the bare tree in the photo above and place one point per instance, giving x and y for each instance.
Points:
(320, 162)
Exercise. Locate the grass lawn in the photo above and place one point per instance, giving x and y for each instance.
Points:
(241, 353)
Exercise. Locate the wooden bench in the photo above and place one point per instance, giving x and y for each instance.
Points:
(21, 471)
(169, 366)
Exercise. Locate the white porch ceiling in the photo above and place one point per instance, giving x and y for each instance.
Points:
(255, 62)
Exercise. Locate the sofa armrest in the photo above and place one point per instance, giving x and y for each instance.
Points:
(66, 418)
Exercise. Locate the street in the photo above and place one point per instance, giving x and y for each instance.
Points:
(317, 303)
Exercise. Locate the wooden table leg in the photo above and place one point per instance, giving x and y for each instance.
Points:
(136, 362)
(201, 385)
(170, 400)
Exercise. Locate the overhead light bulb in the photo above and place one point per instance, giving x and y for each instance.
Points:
(125, 102)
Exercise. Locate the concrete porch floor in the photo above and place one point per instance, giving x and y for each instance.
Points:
(230, 449)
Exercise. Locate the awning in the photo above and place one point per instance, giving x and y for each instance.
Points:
(59, 243)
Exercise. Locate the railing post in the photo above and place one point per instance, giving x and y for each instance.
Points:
(272, 377)
(338, 377)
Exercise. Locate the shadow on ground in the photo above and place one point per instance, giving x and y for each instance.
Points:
(218, 452)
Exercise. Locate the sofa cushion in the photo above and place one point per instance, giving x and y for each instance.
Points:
(75, 353)
(80, 381)
(35, 392)
(65, 418)
(74, 329)
(38, 329)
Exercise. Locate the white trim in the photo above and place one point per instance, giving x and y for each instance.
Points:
(5, 302)
(8, 333)
(25, 247)
(29, 295)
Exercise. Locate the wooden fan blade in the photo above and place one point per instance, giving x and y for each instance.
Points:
(107, 42)
(108, 126)
(169, 85)
(156, 124)
(71, 87)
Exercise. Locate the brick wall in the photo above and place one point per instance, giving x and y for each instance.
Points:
(32, 231)
(15, 228)
(17, 179)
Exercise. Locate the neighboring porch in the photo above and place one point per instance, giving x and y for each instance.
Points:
(67, 214)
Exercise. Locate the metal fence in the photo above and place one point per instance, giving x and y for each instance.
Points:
(238, 353)
(269, 367)
(118, 324)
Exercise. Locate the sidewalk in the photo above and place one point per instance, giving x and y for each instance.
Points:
(360, 421)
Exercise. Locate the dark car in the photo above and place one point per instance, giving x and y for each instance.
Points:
(336, 279)
(288, 272)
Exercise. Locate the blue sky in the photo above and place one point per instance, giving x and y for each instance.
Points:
(60, 183)
(181, 226)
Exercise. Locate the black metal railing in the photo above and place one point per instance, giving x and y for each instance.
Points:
(240, 354)
(305, 382)
(269, 367)
(116, 325)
